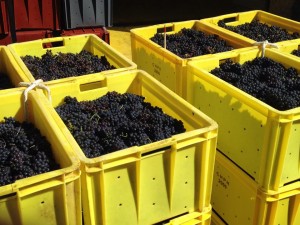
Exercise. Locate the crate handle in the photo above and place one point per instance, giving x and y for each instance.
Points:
(154, 151)
(92, 85)
(167, 28)
(52, 43)
(230, 19)
(8, 195)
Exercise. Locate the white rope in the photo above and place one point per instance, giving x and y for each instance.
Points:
(36, 84)
(265, 44)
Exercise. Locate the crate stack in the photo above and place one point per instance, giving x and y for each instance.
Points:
(256, 173)
(47, 196)
(137, 185)
(35, 19)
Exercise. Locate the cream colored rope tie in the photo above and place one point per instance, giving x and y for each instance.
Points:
(265, 44)
(36, 84)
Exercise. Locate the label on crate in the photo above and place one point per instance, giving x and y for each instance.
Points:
(222, 180)
(156, 68)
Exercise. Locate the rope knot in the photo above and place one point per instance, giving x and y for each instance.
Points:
(265, 44)
(35, 84)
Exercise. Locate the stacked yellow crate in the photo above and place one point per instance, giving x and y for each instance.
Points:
(256, 177)
(145, 184)
(47, 198)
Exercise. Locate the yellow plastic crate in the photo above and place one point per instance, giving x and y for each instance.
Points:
(239, 18)
(263, 141)
(153, 182)
(193, 218)
(237, 199)
(162, 64)
(51, 198)
(9, 68)
(72, 44)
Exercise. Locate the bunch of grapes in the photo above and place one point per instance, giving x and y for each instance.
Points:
(61, 65)
(116, 121)
(264, 79)
(5, 82)
(189, 43)
(296, 52)
(24, 152)
(259, 31)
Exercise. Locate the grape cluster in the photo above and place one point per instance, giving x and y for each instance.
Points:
(116, 121)
(5, 82)
(296, 52)
(264, 79)
(61, 65)
(189, 43)
(259, 31)
(24, 152)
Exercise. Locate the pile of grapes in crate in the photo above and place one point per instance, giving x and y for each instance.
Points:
(62, 65)
(265, 79)
(189, 43)
(296, 53)
(5, 82)
(116, 121)
(24, 152)
(259, 31)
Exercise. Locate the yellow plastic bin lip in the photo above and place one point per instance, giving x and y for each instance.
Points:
(210, 125)
(70, 44)
(238, 18)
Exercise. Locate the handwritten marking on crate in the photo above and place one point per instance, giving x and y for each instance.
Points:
(222, 180)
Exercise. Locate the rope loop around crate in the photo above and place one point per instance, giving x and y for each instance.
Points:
(265, 44)
(35, 84)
